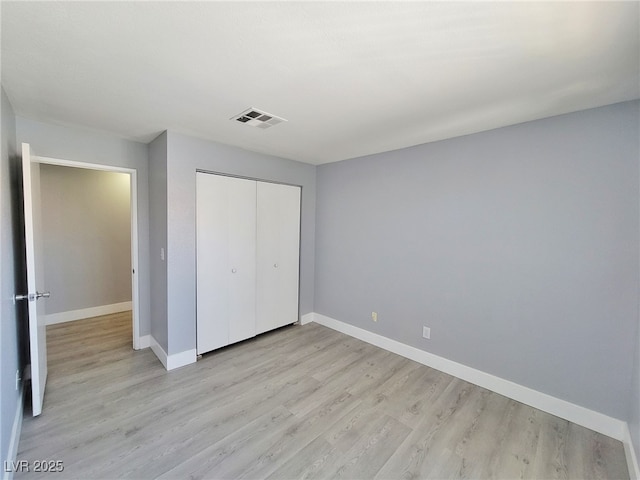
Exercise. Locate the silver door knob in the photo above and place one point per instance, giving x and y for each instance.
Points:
(233, 270)
(275, 265)
(31, 296)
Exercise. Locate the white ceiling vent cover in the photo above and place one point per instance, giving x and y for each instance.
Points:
(257, 118)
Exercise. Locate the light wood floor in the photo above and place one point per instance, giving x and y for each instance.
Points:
(301, 402)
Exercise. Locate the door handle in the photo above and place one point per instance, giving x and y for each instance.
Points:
(31, 296)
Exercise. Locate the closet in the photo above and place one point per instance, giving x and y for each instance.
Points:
(247, 250)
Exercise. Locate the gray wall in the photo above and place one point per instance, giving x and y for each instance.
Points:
(71, 143)
(517, 246)
(158, 238)
(185, 155)
(10, 261)
(86, 232)
(634, 416)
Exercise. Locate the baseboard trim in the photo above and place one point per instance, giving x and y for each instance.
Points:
(307, 318)
(174, 361)
(72, 315)
(630, 453)
(158, 350)
(144, 342)
(181, 359)
(593, 420)
(16, 430)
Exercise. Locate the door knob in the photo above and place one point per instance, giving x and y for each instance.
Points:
(233, 270)
(275, 265)
(31, 296)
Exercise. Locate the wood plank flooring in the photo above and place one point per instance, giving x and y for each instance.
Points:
(300, 402)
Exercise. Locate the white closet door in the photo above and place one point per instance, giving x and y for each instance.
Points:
(226, 260)
(278, 255)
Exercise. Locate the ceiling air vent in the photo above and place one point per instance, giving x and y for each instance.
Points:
(257, 118)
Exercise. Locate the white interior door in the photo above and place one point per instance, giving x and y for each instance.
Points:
(278, 225)
(35, 279)
(226, 256)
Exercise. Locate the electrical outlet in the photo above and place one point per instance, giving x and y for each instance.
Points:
(426, 332)
(374, 316)
(18, 379)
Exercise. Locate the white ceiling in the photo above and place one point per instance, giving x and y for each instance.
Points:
(351, 78)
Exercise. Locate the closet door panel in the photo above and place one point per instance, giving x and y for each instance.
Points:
(212, 246)
(225, 243)
(278, 234)
(242, 259)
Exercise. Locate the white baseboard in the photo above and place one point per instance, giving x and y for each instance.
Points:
(158, 350)
(593, 420)
(83, 313)
(307, 318)
(144, 342)
(174, 361)
(630, 453)
(181, 359)
(12, 453)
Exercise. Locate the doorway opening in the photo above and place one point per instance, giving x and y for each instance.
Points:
(130, 177)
